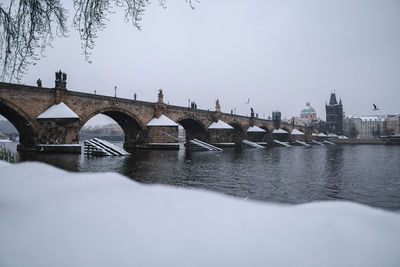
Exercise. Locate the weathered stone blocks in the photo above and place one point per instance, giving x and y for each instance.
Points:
(162, 134)
(58, 131)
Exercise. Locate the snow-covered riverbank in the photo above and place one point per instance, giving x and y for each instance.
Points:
(50, 217)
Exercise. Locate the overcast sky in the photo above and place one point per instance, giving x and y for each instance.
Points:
(279, 54)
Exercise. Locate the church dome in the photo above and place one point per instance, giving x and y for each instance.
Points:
(308, 109)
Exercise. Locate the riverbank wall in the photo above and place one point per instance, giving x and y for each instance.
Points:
(367, 141)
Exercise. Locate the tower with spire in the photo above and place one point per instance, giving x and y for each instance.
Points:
(334, 115)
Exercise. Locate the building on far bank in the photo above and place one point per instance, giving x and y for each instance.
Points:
(392, 125)
(364, 126)
(110, 132)
(334, 115)
(351, 126)
(308, 114)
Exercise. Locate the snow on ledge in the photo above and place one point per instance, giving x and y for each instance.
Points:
(279, 131)
(255, 129)
(219, 125)
(322, 135)
(61, 145)
(51, 217)
(58, 111)
(297, 132)
(161, 121)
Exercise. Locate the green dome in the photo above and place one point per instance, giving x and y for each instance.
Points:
(308, 109)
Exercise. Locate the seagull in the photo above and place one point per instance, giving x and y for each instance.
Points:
(248, 101)
(375, 108)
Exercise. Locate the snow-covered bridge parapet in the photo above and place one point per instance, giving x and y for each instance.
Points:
(56, 115)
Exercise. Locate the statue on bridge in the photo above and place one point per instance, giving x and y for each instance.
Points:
(193, 105)
(217, 106)
(252, 113)
(58, 75)
(61, 80)
(61, 76)
(39, 82)
(160, 96)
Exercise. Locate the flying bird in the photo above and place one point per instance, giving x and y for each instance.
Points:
(375, 108)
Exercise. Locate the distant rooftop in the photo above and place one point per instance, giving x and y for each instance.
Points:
(366, 117)
(333, 101)
(308, 109)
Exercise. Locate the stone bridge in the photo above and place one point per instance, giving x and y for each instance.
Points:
(22, 105)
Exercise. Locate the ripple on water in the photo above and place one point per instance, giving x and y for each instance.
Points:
(366, 174)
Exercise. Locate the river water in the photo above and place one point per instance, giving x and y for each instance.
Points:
(367, 174)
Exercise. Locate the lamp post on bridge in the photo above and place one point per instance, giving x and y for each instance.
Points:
(115, 96)
(93, 97)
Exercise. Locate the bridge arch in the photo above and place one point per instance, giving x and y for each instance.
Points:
(286, 137)
(194, 128)
(268, 134)
(25, 125)
(286, 128)
(134, 129)
(239, 132)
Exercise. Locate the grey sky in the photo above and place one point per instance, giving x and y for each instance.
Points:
(280, 54)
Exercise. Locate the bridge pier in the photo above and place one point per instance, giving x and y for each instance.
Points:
(281, 135)
(163, 137)
(56, 136)
(58, 131)
(222, 137)
(256, 136)
(259, 135)
(298, 137)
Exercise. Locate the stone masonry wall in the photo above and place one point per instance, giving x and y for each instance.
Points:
(221, 136)
(58, 131)
(162, 134)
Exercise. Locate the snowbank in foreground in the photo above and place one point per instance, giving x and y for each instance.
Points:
(50, 217)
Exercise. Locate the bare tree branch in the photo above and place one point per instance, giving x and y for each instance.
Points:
(27, 27)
